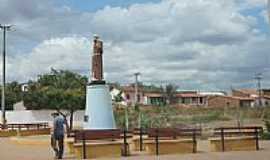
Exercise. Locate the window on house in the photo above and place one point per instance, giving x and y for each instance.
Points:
(128, 96)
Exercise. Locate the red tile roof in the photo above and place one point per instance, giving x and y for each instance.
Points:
(247, 91)
(235, 97)
(131, 89)
(153, 94)
(189, 95)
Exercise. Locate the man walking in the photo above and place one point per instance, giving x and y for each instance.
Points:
(57, 139)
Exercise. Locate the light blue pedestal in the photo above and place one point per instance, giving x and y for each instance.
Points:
(99, 111)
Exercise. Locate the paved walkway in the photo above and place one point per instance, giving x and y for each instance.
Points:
(11, 151)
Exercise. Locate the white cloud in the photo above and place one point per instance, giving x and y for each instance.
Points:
(60, 53)
(256, 3)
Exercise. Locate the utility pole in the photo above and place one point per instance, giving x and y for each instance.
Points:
(5, 28)
(136, 88)
(259, 77)
(136, 99)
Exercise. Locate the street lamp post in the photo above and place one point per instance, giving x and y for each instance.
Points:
(269, 10)
(5, 28)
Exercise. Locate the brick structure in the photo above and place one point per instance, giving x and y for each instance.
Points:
(253, 93)
(266, 92)
(230, 101)
(191, 98)
(97, 61)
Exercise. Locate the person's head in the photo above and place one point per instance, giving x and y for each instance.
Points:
(55, 114)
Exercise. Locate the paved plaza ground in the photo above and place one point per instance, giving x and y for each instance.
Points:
(11, 151)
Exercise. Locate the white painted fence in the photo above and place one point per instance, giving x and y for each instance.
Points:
(36, 116)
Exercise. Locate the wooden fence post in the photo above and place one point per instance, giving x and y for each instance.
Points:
(157, 145)
(141, 139)
(125, 143)
(84, 146)
(257, 139)
(194, 141)
(222, 139)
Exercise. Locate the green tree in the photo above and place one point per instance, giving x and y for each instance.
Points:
(13, 94)
(59, 90)
(170, 92)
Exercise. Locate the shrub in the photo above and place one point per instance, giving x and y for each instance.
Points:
(265, 136)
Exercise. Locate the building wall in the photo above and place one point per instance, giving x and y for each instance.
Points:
(265, 102)
(221, 101)
(130, 97)
(192, 100)
(266, 92)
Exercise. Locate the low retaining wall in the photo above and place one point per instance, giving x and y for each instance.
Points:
(30, 132)
(135, 145)
(8, 133)
(99, 149)
(170, 146)
(233, 144)
(70, 148)
(42, 131)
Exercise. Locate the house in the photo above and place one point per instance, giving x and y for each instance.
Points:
(191, 98)
(144, 95)
(266, 92)
(154, 98)
(263, 100)
(24, 87)
(129, 94)
(230, 101)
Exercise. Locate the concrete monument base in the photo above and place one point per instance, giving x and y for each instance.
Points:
(99, 112)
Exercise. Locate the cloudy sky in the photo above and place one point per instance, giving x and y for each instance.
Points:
(197, 44)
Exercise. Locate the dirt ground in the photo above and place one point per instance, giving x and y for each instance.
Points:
(11, 151)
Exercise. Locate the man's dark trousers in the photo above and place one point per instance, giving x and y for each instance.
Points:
(60, 141)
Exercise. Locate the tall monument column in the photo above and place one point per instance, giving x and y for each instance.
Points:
(99, 112)
(97, 60)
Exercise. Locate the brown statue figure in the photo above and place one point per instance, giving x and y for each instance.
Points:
(97, 60)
